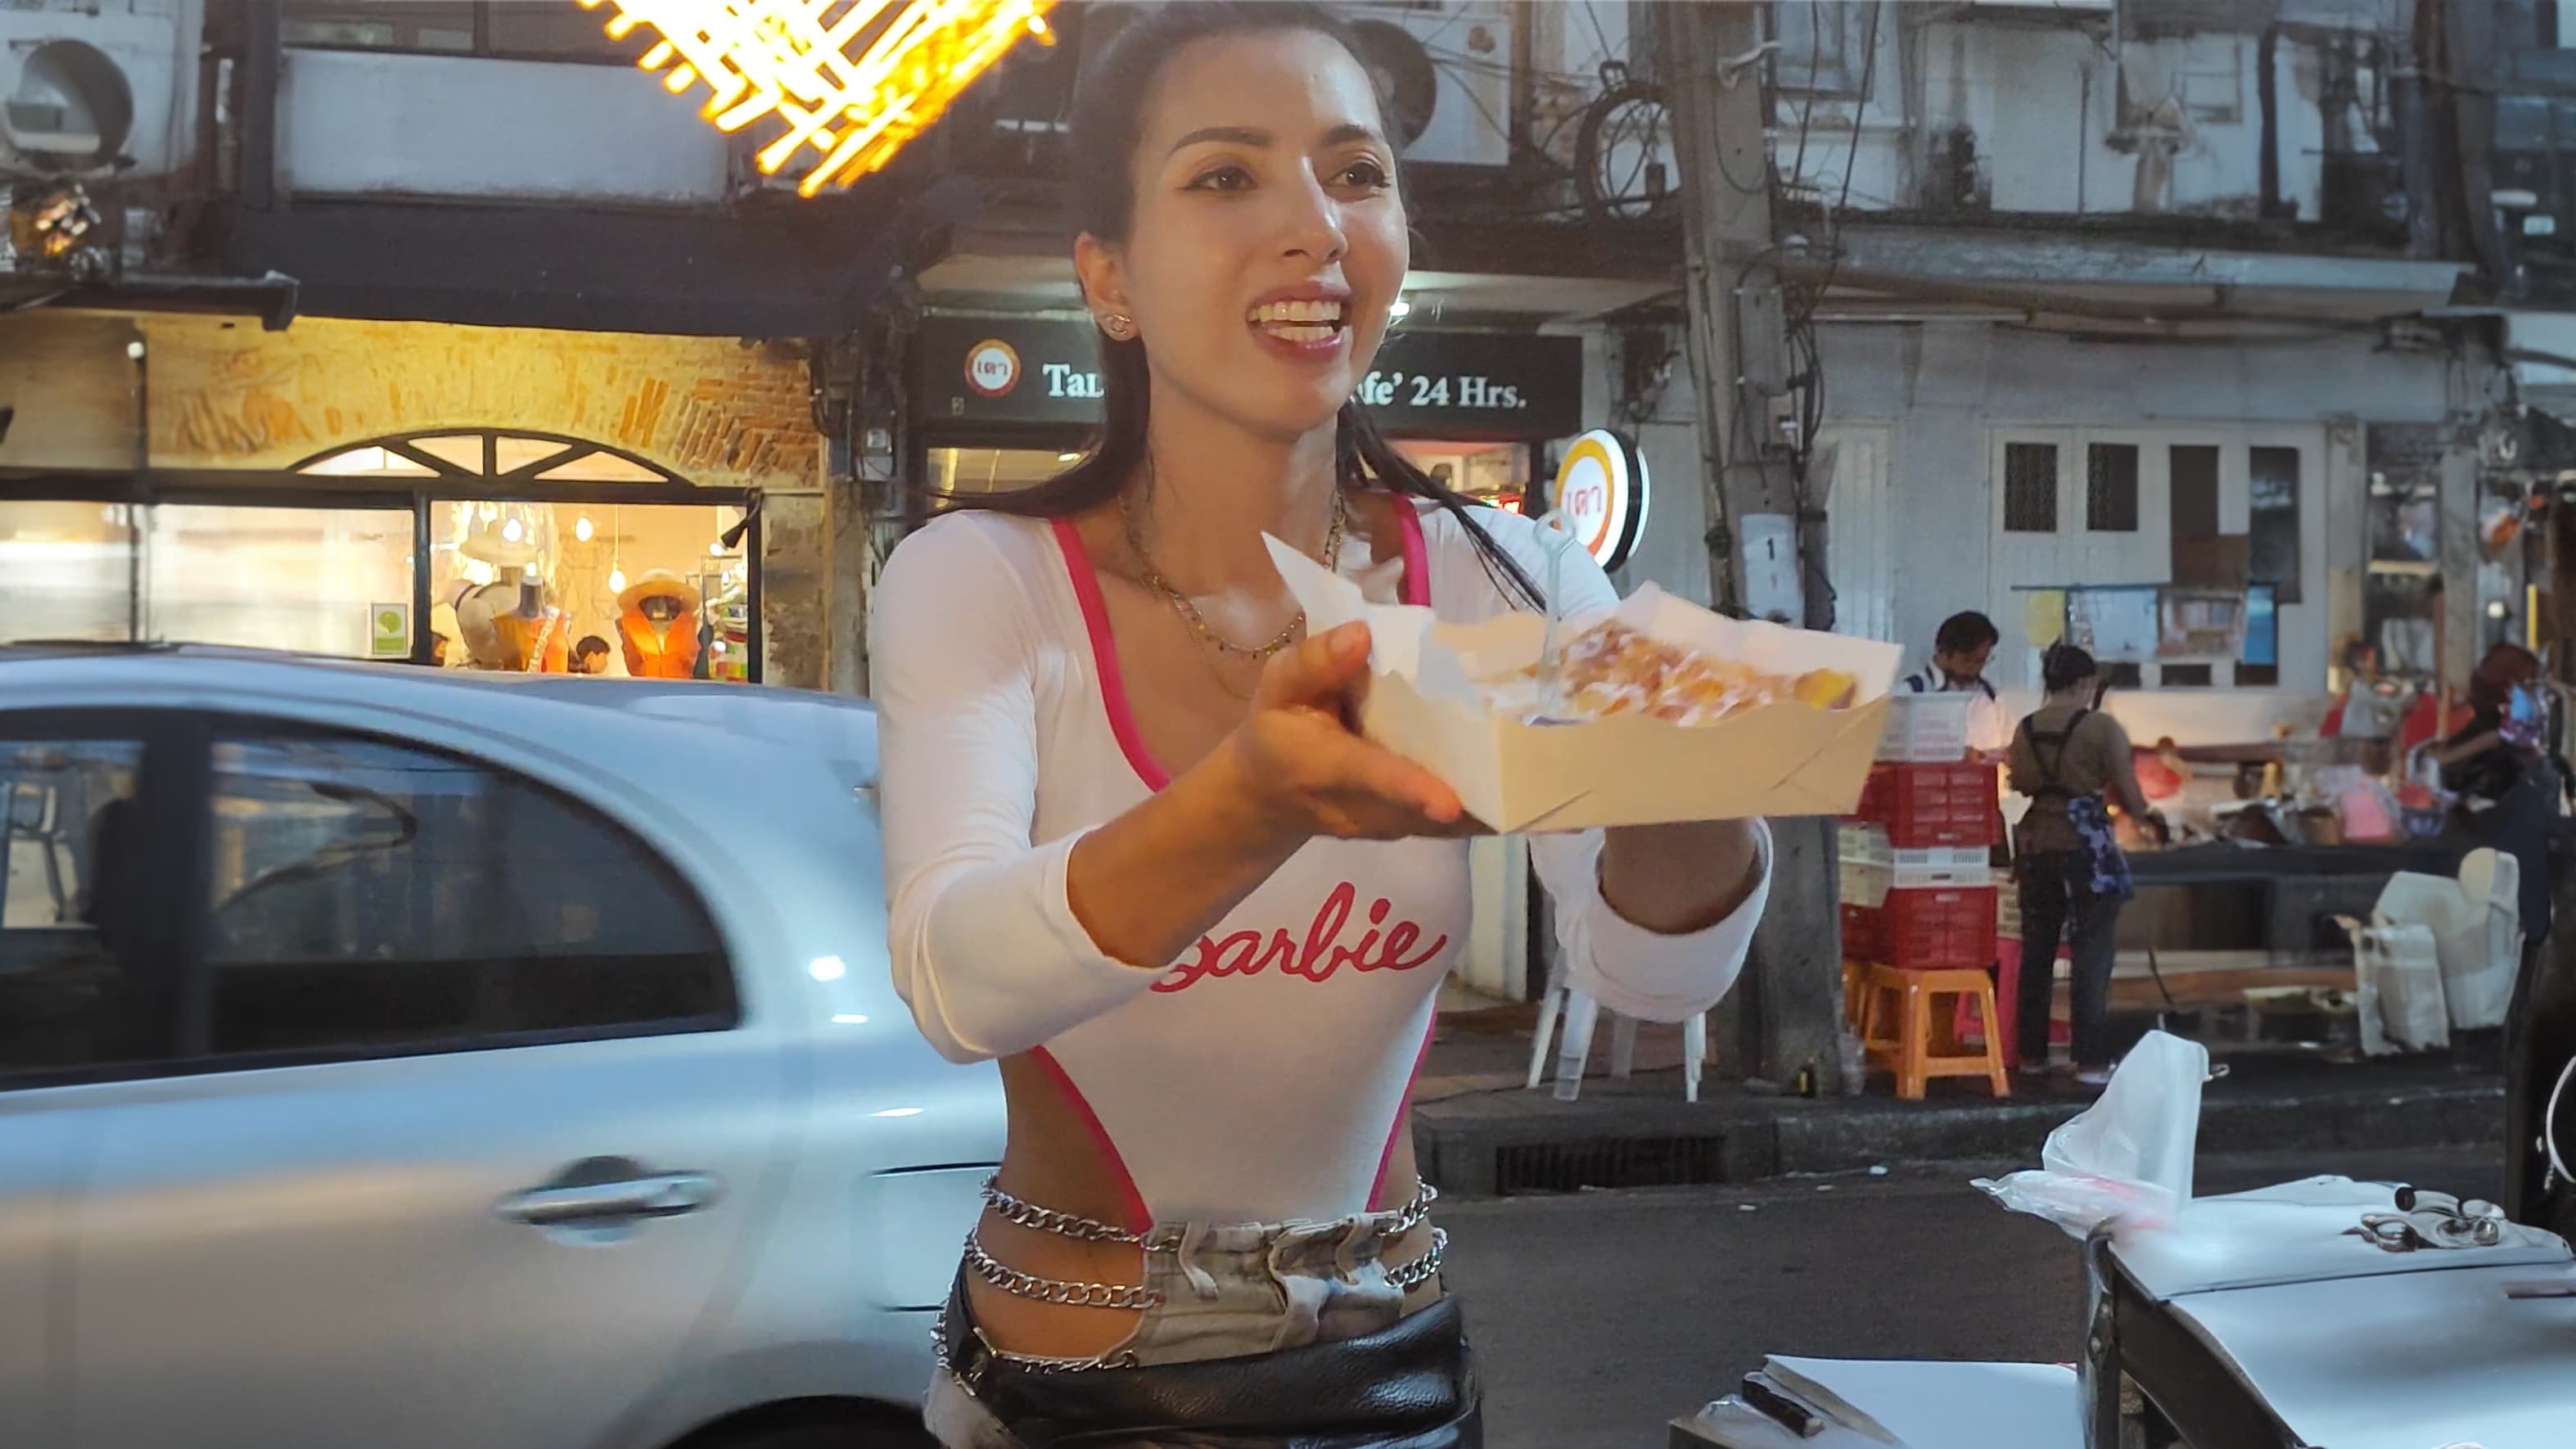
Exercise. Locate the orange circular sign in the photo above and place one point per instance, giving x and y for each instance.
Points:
(1600, 491)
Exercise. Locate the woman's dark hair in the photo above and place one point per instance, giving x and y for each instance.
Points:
(1106, 126)
(2063, 667)
(2492, 683)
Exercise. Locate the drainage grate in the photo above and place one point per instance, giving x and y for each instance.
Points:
(1608, 1162)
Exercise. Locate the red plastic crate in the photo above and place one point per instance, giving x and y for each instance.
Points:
(1925, 807)
(1921, 929)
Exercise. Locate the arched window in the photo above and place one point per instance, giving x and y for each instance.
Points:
(488, 453)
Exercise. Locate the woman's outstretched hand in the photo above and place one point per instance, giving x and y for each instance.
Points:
(1305, 771)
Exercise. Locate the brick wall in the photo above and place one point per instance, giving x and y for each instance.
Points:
(226, 395)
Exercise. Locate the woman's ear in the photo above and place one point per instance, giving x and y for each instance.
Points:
(1101, 269)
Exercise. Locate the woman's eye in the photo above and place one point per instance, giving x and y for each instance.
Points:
(1367, 175)
(1224, 178)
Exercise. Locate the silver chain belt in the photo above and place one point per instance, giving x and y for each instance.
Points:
(1418, 1272)
(1022, 1213)
(1055, 1290)
(1019, 1212)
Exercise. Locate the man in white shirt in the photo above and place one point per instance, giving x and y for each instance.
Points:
(1960, 652)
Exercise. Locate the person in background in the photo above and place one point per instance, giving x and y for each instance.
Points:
(2499, 765)
(590, 656)
(2499, 768)
(2073, 762)
(1960, 652)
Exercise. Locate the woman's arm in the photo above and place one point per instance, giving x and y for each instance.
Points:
(2120, 768)
(1645, 965)
(981, 936)
(1654, 920)
(2463, 750)
(2022, 764)
(1145, 885)
(998, 944)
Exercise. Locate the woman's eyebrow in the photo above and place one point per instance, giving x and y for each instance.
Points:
(1230, 135)
(1341, 135)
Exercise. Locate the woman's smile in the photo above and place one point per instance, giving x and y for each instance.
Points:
(1302, 324)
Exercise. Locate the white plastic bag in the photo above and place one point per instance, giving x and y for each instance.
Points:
(2125, 1161)
(2399, 976)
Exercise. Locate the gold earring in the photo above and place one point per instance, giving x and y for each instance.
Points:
(1119, 326)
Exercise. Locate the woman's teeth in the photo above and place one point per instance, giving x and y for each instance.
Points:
(1303, 321)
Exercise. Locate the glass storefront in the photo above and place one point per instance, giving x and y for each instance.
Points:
(649, 590)
(993, 470)
(543, 555)
(305, 580)
(1495, 473)
(69, 568)
(1492, 473)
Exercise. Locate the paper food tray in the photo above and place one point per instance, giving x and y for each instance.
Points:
(1781, 759)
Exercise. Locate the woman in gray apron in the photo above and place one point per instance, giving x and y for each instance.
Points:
(2072, 761)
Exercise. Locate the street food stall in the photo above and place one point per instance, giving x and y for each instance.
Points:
(2290, 814)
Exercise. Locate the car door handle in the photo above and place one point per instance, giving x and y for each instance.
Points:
(666, 1196)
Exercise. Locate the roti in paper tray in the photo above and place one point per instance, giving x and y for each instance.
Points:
(1760, 719)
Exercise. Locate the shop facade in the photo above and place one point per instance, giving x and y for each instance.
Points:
(1004, 400)
(475, 498)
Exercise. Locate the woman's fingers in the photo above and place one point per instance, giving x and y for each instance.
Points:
(1318, 669)
(1368, 770)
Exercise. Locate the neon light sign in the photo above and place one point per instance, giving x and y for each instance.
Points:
(852, 79)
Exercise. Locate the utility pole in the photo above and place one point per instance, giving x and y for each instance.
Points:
(1765, 548)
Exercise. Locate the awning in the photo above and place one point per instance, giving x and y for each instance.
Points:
(271, 298)
(2124, 277)
(810, 269)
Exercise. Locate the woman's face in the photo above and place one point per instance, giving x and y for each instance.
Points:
(1267, 241)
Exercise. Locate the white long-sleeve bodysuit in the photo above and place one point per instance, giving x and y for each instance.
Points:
(1263, 1075)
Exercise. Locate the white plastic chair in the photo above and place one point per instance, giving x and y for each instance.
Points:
(1580, 1015)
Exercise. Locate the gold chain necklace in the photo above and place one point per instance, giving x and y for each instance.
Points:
(1189, 612)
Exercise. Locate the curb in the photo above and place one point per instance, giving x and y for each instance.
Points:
(1642, 1143)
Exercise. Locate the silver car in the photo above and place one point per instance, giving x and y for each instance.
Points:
(403, 1059)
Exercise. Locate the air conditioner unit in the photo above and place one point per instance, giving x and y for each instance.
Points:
(97, 91)
(1447, 67)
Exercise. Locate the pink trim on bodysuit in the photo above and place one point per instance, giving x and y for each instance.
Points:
(1139, 1217)
(1417, 558)
(1415, 589)
(1104, 657)
(1403, 1113)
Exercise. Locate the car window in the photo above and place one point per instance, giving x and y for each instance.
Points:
(368, 897)
(74, 989)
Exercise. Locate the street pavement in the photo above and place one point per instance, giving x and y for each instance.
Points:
(1599, 1317)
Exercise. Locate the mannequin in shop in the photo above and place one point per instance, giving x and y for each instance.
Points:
(658, 625)
(509, 624)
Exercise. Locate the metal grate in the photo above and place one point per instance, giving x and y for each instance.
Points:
(2111, 488)
(2030, 487)
(1608, 1162)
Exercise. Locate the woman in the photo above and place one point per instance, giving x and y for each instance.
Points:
(2067, 758)
(2499, 767)
(1136, 853)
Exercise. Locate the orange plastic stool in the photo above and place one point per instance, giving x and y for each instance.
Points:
(1896, 1027)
